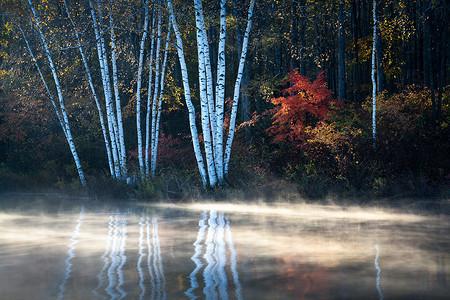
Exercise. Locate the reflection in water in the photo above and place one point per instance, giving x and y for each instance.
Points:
(233, 261)
(141, 257)
(157, 262)
(68, 265)
(377, 266)
(214, 274)
(195, 259)
(114, 258)
(154, 261)
(73, 254)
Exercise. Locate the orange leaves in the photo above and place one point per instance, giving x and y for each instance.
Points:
(305, 103)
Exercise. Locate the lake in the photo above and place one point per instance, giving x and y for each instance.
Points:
(56, 247)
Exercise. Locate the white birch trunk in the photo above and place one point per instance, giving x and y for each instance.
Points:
(106, 91)
(110, 104)
(119, 132)
(236, 89)
(158, 118)
(65, 120)
(149, 101)
(138, 93)
(374, 83)
(55, 108)
(209, 89)
(187, 94)
(203, 94)
(91, 85)
(220, 94)
(156, 90)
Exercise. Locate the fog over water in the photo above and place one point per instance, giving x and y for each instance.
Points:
(54, 247)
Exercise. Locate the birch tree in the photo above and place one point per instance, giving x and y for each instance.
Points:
(187, 95)
(154, 145)
(138, 92)
(374, 83)
(212, 102)
(61, 110)
(94, 94)
(106, 89)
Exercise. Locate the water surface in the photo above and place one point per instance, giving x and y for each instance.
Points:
(57, 248)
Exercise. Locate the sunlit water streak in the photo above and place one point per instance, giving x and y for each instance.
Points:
(141, 257)
(233, 262)
(221, 258)
(67, 263)
(149, 260)
(113, 258)
(122, 256)
(105, 257)
(195, 258)
(157, 262)
(377, 266)
(208, 277)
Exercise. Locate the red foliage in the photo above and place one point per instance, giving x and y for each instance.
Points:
(305, 103)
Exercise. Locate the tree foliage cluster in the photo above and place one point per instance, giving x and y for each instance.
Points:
(303, 113)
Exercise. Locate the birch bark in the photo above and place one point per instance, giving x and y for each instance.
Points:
(119, 132)
(62, 109)
(236, 90)
(187, 95)
(158, 117)
(374, 83)
(156, 90)
(106, 91)
(110, 103)
(209, 88)
(149, 101)
(138, 93)
(94, 94)
(204, 93)
(220, 93)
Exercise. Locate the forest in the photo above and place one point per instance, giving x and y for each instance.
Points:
(178, 98)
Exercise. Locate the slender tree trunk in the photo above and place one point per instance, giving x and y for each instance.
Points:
(160, 102)
(138, 93)
(62, 109)
(237, 88)
(341, 71)
(379, 52)
(356, 46)
(220, 93)
(94, 94)
(121, 145)
(149, 101)
(106, 90)
(204, 100)
(110, 103)
(187, 95)
(156, 90)
(374, 84)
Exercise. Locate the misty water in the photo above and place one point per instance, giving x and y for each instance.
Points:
(55, 247)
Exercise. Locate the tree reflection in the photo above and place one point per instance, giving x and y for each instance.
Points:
(218, 237)
(114, 259)
(67, 263)
(148, 227)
